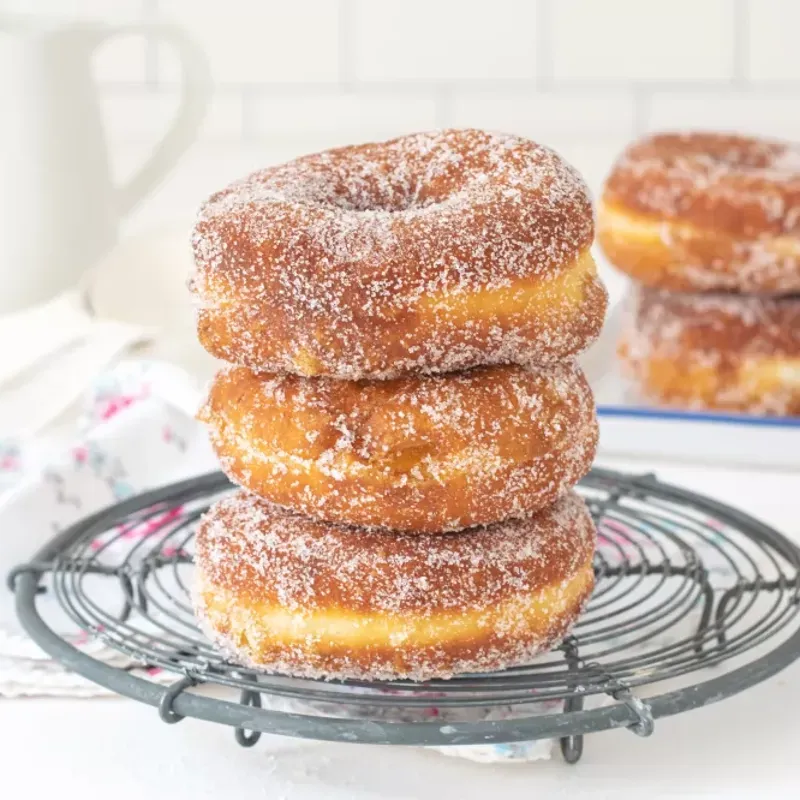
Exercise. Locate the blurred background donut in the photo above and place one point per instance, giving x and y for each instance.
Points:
(705, 212)
(728, 352)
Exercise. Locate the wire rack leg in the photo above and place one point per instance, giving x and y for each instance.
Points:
(165, 710)
(571, 746)
(244, 737)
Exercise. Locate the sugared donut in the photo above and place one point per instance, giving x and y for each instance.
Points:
(727, 352)
(423, 453)
(428, 253)
(705, 212)
(294, 596)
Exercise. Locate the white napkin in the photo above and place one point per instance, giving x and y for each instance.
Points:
(55, 351)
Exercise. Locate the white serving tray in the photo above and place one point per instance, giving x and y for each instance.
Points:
(630, 430)
(700, 437)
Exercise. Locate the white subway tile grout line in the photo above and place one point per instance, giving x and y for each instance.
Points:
(641, 110)
(561, 87)
(655, 84)
(456, 85)
(543, 44)
(311, 92)
(344, 33)
(741, 43)
(248, 124)
(443, 105)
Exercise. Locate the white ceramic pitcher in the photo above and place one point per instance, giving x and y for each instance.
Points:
(59, 210)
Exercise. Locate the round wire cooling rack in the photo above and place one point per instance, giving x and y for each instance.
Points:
(693, 602)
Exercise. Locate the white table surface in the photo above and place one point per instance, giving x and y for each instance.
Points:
(744, 747)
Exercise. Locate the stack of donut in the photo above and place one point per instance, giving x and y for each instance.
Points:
(402, 409)
(708, 225)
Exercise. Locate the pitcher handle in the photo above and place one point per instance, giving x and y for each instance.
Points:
(194, 101)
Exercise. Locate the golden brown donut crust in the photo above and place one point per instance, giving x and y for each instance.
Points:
(425, 453)
(428, 253)
(291, 595)
(705, 212)
(723, 352)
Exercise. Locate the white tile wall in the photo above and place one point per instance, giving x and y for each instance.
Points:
(773, 26)
(632, 40)
(545, 114)
(443, 40)
(253, 41)
(80, 9)
(763, 111)
(318, 120)
(583, 76)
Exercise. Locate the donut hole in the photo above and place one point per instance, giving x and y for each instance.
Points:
(379, 181)
(371, 195)
(364, 187)
(367, 203)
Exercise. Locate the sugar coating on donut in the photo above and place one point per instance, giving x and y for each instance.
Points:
(746, 325)
(263, 557)
(746, 185)
(396, 238)
(310, 564)
(451, 180)
(705, 212)
(427, 453)
(750, 344)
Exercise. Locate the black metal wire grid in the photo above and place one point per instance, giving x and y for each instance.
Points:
(694, 601)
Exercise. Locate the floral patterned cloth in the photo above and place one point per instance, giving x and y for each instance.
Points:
(136, 430)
